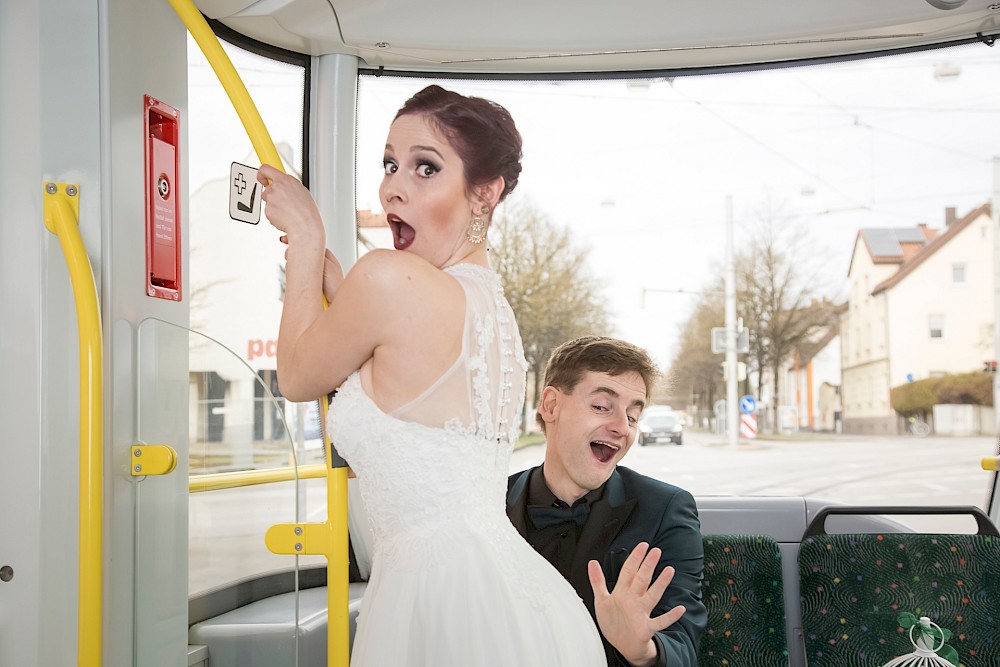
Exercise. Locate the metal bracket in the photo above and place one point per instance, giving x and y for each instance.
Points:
(153, 460)
(300, 539)
(60, 192)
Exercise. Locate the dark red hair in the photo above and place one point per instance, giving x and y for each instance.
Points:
(481, 132)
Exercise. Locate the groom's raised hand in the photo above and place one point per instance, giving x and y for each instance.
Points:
(624, 615)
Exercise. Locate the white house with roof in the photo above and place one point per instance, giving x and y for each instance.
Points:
(921, 305)
(811, 374)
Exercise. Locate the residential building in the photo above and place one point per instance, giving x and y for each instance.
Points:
(921, 305)
(815, 364)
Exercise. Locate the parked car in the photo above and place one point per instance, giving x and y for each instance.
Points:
(660, 426)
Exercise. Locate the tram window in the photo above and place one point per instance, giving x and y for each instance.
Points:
(855, 188)
(235, 306)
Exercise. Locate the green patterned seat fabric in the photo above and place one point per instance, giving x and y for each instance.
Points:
(853, 588)
(743, 594)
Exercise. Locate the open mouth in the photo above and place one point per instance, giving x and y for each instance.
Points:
(402, 233)
(603, 452)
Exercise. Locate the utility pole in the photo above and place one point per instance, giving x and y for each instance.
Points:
(732, 410)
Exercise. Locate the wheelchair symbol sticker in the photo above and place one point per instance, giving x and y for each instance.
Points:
(244, 194)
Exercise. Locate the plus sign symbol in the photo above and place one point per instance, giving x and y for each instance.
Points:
(239, 184)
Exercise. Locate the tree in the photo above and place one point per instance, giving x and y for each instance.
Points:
(778, 280)
(546, 282)
(695, 368)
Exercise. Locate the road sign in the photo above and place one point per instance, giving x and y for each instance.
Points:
(719, 340)
(748, 405)
(741, 371)
(748, 426)
(720, 408)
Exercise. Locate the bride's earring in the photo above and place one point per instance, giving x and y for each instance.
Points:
(476, 233)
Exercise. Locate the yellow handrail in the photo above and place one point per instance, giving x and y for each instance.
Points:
(240, 478)
(335, 549)
(230, 80)
(62, 218)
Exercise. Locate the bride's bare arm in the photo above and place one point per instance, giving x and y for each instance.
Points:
(390, 307)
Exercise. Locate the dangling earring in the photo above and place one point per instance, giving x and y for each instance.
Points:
(476, 233)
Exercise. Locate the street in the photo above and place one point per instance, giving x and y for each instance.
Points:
(227, 527)
(858, 470)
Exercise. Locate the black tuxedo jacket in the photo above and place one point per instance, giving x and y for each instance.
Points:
(634, 509)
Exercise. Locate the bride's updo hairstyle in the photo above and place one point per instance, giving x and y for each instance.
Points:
(481, 132)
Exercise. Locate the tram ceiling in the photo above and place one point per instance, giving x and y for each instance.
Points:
(564, 36)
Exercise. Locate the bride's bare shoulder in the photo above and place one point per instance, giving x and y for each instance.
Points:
(399, 275)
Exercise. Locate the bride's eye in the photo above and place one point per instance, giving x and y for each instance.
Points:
(389, 166)
(426, 169)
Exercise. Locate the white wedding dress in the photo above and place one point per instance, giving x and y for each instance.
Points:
(452, 583)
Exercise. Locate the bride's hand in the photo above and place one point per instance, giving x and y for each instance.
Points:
(289, 206)
(333, 273)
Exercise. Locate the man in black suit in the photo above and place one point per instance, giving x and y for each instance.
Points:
(607, 527)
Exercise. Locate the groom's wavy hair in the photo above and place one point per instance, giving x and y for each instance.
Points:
(597, 354)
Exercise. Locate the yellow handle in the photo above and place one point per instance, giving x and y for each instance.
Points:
(991, 463)
(153, 460)
(230, 80)
(338, 650)
(62, 217)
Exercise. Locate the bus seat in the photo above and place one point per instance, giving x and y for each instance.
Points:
(263, 632)
(742, 592)
(854, 586)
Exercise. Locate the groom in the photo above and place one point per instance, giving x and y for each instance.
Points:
(607, 527)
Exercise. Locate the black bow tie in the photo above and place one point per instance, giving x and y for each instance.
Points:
(544, 516)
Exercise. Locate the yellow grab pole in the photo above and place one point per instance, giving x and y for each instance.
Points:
(62, 217)
(334, 531)
(230, 80)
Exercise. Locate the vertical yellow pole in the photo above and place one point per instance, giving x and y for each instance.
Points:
(335, 549)
(61, 206)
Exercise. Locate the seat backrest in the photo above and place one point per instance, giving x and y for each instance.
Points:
(853, 588)
(743, 594)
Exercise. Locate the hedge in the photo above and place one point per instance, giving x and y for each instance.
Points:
(920, 397)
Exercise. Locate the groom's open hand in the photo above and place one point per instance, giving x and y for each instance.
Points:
(624, 614)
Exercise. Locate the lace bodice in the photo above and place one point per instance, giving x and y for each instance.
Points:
(441, 459)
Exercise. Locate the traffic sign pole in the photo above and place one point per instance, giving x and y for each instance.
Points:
(732, 416)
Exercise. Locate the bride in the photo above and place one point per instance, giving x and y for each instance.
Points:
(426, 357)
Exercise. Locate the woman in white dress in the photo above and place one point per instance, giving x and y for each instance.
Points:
(426, 356)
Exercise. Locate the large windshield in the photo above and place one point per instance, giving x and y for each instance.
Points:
(858, 195)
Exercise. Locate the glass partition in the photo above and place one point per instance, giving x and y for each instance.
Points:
(237, 423)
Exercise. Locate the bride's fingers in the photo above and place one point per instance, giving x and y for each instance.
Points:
(266, 174)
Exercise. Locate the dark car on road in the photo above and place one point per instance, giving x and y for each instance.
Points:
(661, 427)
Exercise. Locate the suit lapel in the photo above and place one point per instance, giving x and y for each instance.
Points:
(607, 517)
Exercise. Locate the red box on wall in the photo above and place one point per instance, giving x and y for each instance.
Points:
(163, 232)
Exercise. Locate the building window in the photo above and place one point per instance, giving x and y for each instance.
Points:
(958, 273)
(936, 324)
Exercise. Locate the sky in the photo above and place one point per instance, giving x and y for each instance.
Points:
(641, 174)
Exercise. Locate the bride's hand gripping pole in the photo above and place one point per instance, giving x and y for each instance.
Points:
(330, 538)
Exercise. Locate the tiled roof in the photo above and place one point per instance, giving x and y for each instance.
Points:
(886, 242)
(939, 240)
